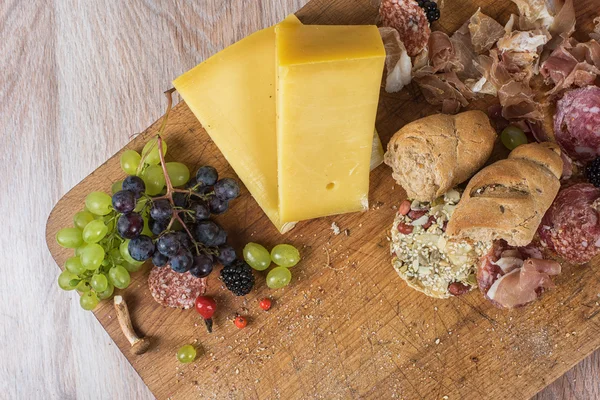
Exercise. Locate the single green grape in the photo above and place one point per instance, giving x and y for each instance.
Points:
(68, 280)
(69, 238)
(73, 265)
(91, 256)
(118, 185)
(146, 231)
(115, 255)
(99, 282)
(80, 249)
(84, 286)
(130, 160)
(154, 179)
(186, 354)
(132, 267)
(124, 250)
(257, 256)
(285, 255)
(278, 277)
(107, 293)
(82, 218)
(94, 231)
(119, 277)
(150, 152)
(178, 172)
(98, 203)
(141, 203)
(89, 301)
(512, 137)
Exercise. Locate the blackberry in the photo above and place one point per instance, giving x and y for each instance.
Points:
(592, 172)
(431, 9)
(238, 278)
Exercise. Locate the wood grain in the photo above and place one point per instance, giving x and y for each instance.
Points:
(77, 79)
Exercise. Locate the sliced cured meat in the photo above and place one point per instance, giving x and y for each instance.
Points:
(485, 31)
(514, 276)
(596, 34)
(409, 20)
(173, 289)
(577, 123)
(397, 62)
(571, 226)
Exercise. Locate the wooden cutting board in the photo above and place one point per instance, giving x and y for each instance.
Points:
(347, 326)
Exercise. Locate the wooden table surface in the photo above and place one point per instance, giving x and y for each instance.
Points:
(77, 80)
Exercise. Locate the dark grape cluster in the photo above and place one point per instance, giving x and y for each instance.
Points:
(431, 9)
(186, 238)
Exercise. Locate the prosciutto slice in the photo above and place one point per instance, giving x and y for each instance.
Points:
(596, 34)
(397, 62)
(484, 30)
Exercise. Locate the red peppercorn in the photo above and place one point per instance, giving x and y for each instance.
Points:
(265, 304)
(405, 228)
(240, 322)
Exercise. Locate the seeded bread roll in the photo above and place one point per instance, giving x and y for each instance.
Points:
(433, 154)
(507, 200)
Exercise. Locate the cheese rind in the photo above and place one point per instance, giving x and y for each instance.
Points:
(327, 94)
(233, 95)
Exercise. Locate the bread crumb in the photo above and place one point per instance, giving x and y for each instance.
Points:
(335, 228)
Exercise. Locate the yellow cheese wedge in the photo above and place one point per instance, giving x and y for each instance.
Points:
(327, 94)
(233, 95)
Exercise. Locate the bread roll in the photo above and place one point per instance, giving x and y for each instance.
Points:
(433, 154)
(507, 200)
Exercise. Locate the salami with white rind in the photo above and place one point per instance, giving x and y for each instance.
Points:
(577, 123)
(172, 289)
(409, 20)
(571, 226)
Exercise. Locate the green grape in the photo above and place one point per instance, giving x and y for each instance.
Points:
(69, 238)
(89, 301)
(257, 256)
(141, 203)
(146, 231)
(278, 277)
(82, 218)
(115, 255)
(92, 256)
(119, 277)
(94, 231)
(150, 152)
(79, 250)
(178, 172)
(132, 267)
(176, 226)
(130, 160)
(512, 137)
(154, 179)
(118, 185)
(73, 265)
(110, 220)
(99, 282)
(98, 203)
(84, 286)
(285, 255)
(186, 354)
(67, 280)
(124, 250)
(107, 293)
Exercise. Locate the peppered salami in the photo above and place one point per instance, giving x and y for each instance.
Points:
(172, 289)
(571, 226)
(577, 123)
(409, 20)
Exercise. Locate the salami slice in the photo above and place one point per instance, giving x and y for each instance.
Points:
(571, 226)
(409, 20)
(577, 123)
(173, 289)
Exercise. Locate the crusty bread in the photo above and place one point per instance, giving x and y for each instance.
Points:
(507, 200)
(433, 154)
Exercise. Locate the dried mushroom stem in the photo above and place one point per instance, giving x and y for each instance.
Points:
(138, 345)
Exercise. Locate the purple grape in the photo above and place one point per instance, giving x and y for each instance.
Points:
(180, 199)
(159, 260)
(227, 189)
(202, 266)
(207, 175)
(217, 206)
(207, 232)
(184, 239)
(134, 184)
(157, 227)
(226, 255)
(161, 210)
(141, 248)
(200, 210)
(182, 261)
(123, 201)
(168, 244)
(130, 225)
